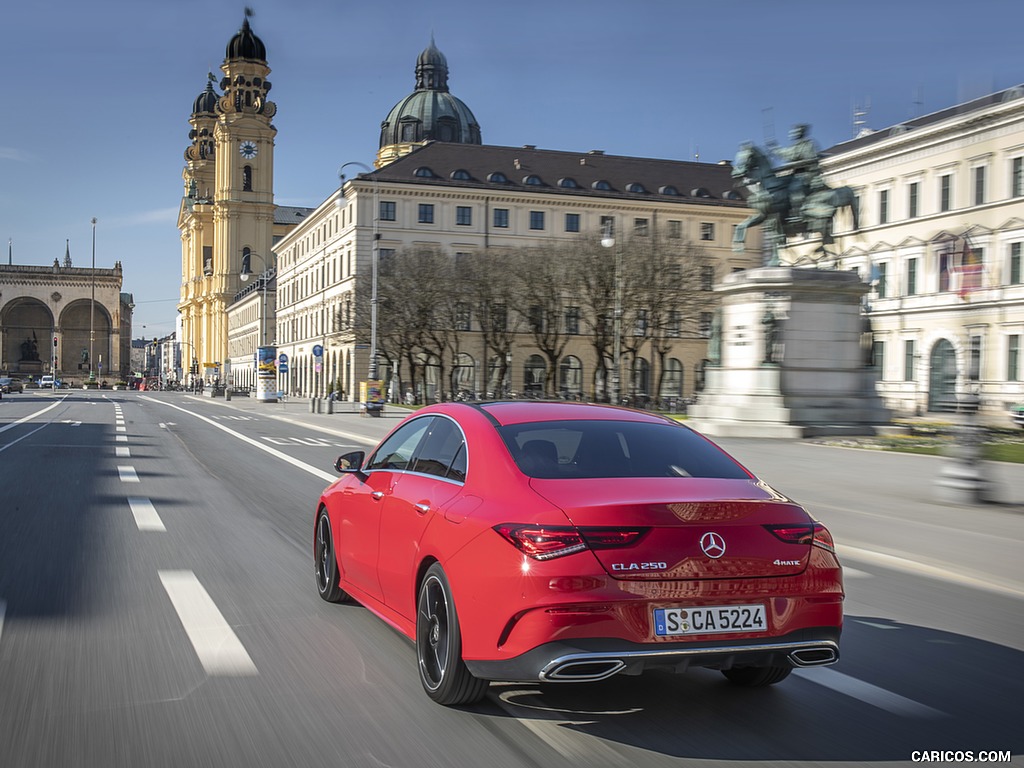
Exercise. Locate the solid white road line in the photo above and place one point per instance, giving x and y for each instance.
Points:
(868, 693)
(863, 555)
(145, 514)
(217, 646)
(31, 416)
(255, 443)
(128, 474)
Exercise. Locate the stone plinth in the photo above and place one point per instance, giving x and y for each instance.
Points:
(815, 382)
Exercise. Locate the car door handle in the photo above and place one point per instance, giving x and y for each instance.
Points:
(423, 507)
(378, 495)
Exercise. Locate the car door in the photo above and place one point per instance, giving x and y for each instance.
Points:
(359, 510)
(434, 479)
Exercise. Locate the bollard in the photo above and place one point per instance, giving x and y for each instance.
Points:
(330, 405)
(312, 405)
(227, 393)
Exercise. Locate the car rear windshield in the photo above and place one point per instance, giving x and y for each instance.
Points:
(588, 449)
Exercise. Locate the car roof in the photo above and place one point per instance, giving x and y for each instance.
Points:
(506, 412)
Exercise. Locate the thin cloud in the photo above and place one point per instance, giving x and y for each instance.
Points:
(15, 154)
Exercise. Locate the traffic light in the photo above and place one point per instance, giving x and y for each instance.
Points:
(54, 342)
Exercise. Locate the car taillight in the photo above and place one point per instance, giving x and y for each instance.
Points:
(815, 534)
(545, 542)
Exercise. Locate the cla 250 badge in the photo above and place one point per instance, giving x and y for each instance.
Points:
(639, 566)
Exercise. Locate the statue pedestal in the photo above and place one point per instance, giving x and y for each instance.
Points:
(817, 382)
(29, 366)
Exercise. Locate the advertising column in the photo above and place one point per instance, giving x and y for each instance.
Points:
(266, 374)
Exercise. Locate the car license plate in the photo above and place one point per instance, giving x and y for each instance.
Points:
(707, 619)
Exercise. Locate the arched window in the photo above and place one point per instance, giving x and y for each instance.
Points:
(570, 377)
(568, 183)
(534, 373)
(672, 383)
(533, 181)
(668, 189)
(497, 177)
(424, 173)
(461, 174)
(247, 179)
(602, 185)
(636, 186)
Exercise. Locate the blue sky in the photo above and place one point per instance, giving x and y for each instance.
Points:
(97, 95)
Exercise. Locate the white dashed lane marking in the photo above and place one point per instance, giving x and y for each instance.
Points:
(868, 693)
(145, 514)
(127, 474)
(122, 452)
(217, 646)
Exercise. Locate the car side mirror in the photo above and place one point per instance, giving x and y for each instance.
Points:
(350, 462)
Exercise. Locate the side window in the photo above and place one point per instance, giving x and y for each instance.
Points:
(397, 450)
(439, 449)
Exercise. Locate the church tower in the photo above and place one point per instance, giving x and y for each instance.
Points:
(227, 215)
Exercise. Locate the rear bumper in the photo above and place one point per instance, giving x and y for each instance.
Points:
(592, 659)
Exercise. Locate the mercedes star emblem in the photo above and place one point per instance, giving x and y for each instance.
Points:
(712, 544)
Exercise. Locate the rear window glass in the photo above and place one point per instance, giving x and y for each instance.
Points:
(587, 449)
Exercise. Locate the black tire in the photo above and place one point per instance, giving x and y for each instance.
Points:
(756, 677)
(325, 562)
(443, 673)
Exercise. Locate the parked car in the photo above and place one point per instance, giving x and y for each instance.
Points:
(8, 385)
(46, 382)
(568, 542)
(1017, 414)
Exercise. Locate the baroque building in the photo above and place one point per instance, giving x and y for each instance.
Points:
(436, 186)
(941, 241)
(227, 211)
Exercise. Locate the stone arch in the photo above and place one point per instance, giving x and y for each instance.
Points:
(27, 326)
(75, 349)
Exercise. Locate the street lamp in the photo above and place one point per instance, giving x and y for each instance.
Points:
(608, 241)
(375, 258)
(265, 278)
(92, 308)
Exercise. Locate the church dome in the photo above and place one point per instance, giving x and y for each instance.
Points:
(245, 45)
(430, 113)
(206, 102)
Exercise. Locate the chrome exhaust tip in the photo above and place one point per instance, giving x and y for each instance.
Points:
(585, 670)
(818, 656)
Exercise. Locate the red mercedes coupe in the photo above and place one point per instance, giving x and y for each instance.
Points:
(566, 542)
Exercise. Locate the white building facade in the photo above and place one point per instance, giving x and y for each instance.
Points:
(941, 240)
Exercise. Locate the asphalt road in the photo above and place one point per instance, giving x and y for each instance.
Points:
(157, 608)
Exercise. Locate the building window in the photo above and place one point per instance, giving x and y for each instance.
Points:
(426, 213)
(979, 185)
(572, 320)
(247, 179)
(641, 323)
(463, 215)
(640, 227)
(908, 360)
(501, 218)
(536, 318)
(880, 281)
(707, 231)
(607, 226)
(572, 222)
(707, 277)
(675, 324)
(704, 325)
(974, 371)
(1017, 177)
(1013, 357)
(499, 317)
(462, 316)
(207, 260)
(387, 210)
(945, 192)
(883, 207)
(911, 277)
(675, 230)
(536, 219)
(1014, 263)
(912, 197)
(878, 357)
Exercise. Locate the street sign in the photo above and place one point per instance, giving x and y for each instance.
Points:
(282, 358)
(282, 367)
(318, 350)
